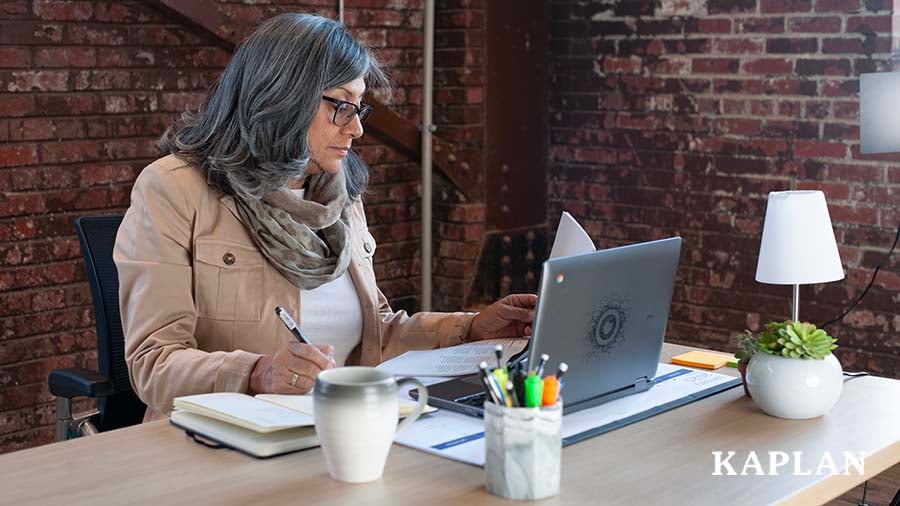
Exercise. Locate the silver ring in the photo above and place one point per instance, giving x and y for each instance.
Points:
(294, 379)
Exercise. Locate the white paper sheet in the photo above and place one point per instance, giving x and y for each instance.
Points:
(461, 437)
(453, 361)
(304, 403)
(571, 239)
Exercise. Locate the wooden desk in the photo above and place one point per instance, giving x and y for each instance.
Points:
(663, 460)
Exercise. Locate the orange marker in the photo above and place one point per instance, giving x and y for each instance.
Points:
(551, 391)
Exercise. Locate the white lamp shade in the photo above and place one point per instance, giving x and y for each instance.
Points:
(798, 246)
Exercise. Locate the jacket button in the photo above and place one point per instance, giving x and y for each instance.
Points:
(228, 258)
(368, 247)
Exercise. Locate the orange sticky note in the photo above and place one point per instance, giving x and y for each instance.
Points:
(702, 359)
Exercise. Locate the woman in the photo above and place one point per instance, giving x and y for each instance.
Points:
(256, 206)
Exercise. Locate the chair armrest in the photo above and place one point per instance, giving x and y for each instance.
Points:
(78, 382)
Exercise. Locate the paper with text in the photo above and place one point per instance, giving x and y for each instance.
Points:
(453, 361)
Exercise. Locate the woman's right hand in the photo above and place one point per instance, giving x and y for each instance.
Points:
(272, 375)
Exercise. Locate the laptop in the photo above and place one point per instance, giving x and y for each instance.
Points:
(604, 314)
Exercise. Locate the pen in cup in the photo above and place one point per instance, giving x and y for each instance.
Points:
(488, 384)
(541, 363)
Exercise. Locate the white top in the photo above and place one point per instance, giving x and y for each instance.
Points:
(331, 314)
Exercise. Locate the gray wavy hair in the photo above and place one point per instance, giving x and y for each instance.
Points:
(249, 136)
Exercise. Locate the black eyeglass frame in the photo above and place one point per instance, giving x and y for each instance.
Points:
(363, 112)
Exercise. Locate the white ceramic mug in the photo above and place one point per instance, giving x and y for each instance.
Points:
(356, 411)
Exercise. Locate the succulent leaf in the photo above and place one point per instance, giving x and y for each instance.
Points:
(796, 340)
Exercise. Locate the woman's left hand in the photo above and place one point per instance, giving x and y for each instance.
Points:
(510, 316)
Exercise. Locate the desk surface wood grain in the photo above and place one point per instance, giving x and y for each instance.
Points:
(666, 459)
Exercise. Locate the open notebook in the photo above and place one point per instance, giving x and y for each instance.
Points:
(261, 426)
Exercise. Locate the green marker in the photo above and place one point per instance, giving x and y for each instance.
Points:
(534, 391)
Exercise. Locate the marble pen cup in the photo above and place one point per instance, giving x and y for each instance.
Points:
(523, 448)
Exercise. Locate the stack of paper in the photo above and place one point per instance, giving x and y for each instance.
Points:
(459, 360)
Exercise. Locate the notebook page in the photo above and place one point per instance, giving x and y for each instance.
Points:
(244, 411)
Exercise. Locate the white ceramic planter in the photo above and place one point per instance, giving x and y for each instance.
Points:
(794, 388)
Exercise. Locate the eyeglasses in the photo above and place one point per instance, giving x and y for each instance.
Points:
(344, 112)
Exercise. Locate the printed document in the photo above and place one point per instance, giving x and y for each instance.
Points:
(458, 360)
(461, 437)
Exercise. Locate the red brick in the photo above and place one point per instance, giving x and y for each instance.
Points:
(830, 67)
(97, 35)
(67, 152)
(622, 65)
(740, 46)
(714, 65)
(123, 13)
(131, 103)
(768, 66)
(98, 80)
(62, 57)
(704, 25)
(17, 155)
(795, 45)
(855, 215)
(759, 25)
(867, 24)
(35, 80)
(62, 105)
(842, 6)
(32, 129)
(824, 24)
(15, 106)
(842, 45)
(832, 191)
(815, 149)
(731, 6)
(778, 6)
(15, 57)
(62, 10)
(125, 57)
(738, 126)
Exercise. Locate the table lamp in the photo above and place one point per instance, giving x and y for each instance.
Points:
(798, 246)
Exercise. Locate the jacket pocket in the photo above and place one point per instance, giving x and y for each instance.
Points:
(228, 280)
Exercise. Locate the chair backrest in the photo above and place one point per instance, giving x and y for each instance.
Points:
(97, 235)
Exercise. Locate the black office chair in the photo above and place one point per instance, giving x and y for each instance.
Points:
(117, 404)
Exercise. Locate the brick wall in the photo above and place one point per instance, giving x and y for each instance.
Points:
(679, 116)
(459, 83)
(85, 90)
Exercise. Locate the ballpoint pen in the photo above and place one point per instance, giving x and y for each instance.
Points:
(541, 363)
(486, 379)
(511, 400)
(563, 367)
(291, 325)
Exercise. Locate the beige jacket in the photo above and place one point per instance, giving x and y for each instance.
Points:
(198, 298)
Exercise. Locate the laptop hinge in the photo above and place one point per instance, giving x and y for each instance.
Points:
(642, 383)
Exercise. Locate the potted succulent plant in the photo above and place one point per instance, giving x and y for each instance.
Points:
(793, 373)
(747, 346)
